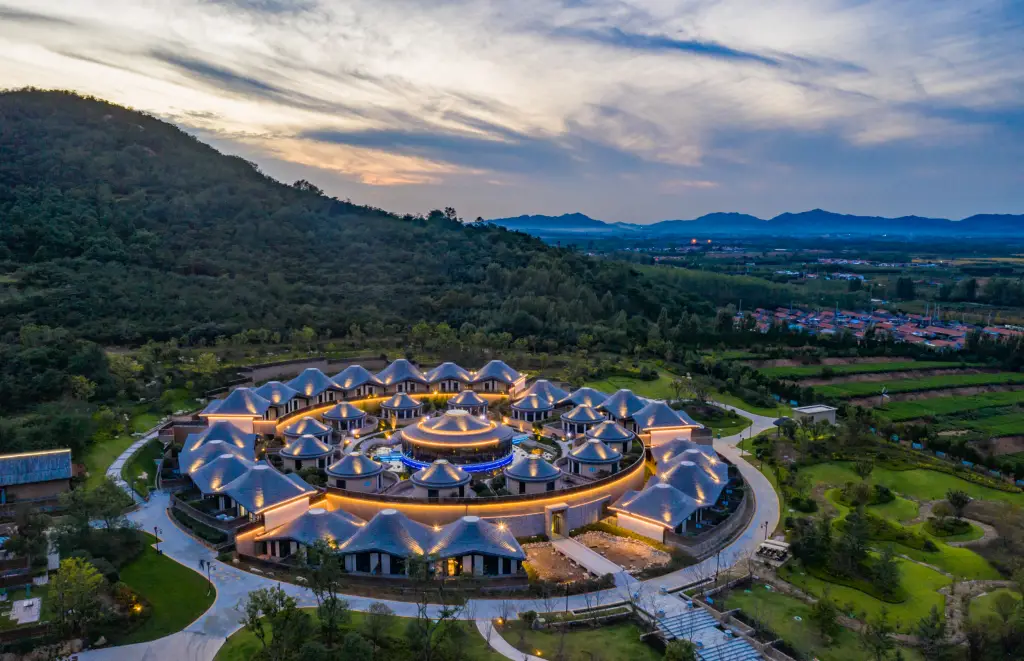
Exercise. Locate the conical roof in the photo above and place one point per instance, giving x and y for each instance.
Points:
(659, 415)
(610, 432)
(354, 376)
(440, 475)
(694, 480)
(546, 391)
(189, 461)
(448, 371)
(466, 398)
(334, 527)
(583, 415)
(400, 401)
(583, 397)
(497, 370)
(659, 502)
(623, 404)
(276, 392)
(471, 534)
(401, 370)
(344, 411)
(262, 487)
(219, 471)
(311, 382)
(391, 532)
(533, 402)
(355, 465)
(306, 446)
(457, 427)
(593, 451)
(221, 430)
(533, 468)
(671, 451)
(241, 402)
(307, 425)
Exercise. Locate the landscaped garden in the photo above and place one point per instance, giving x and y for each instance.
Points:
(143, 463)
(609, 642)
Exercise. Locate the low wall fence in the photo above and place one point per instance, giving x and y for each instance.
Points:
(703, 546)
(230, 526)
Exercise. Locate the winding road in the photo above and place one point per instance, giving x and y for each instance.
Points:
(201, 640)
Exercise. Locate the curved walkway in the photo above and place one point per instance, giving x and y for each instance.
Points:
(200, 640)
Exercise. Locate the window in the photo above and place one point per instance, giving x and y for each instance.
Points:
(506, 565)
(491, 564)
(522, 487)
(363, 562)
(550, 486)
(340, 484)
(432, 493)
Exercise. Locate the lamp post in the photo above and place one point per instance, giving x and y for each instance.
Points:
(209, 577)
(157, 531)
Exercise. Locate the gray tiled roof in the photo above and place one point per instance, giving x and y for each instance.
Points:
(354, 376)
(694, 479)
(311, 382)
(191, 460)
(30, 467)
(533, 402)
(440, 475)
(211, 407)
(660, 415)
(594, 451)
(497, 370)
(219, 471)
(583, 397)
(344, 411)
(610, 431)
(471, 534)
(457, 427)
(355, 465)
(391, 532)
(622, 404)
(306, 446)
(583, 414)
(242, 402)
(401, 370)
(546, 390)
(400, 400)
(262, 487)
(533, 468)
(276, 392)
(307, 425)
(448, 371)
(466, 398)
(335, 527)
(667, 452)
(658, 502)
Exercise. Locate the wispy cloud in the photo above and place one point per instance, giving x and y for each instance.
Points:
(656, 42)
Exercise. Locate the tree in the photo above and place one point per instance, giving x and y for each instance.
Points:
(958, 500)
(905, 288)
(887, 572)
(323, 572)
(376, 624)
(81, 387)
(931, 632)
(863, 468)
(427, 631)
(825, 616)
(680, 650)
(76, 592)
(356, 648)
(274, 619)
(877, 635)
(30, 541)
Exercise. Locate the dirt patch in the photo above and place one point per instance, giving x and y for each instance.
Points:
(890, 376)
(954, 432)
(870, 402)
(551, 565)
(1004, 445)
(630, 554)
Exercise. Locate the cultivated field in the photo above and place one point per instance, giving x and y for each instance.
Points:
(810, 371)
(899, 411)
(863, 389)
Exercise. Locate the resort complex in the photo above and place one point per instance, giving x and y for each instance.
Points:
(447, 465)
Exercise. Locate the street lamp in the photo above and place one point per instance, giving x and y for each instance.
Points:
(157, 531)
(765, 526)
(209, 568)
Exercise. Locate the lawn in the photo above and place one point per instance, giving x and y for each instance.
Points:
(983, 607)
(778, 612)
(900, 509)
(898, 411)
(143, 461)
(733, 400)
(101, 454)
(1006, 424)
(615, 641)
(660, 388)
(243, 646)
(176, 594)
(724, 425)
(814, 371)
(866, 388)
(917, 483)
(920, 583)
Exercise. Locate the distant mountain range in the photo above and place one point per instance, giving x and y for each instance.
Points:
(808, 223)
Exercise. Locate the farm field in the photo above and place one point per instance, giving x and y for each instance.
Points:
(1004, 424)
(809, 371)
(899, 411)
(862, 389)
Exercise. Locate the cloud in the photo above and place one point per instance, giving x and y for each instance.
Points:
(24, 16)
(655, 42)
(267, 6)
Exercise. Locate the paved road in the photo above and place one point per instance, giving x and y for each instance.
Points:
(201, 639)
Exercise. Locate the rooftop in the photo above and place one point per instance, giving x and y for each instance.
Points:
(354, 376)
(440, 475)
(335, 527)
(533, 468)
(401, 370)
(594, 451)
(311, 382)
(307, 425)
(31, 467)
(306, 446)
(497, 370)
(355, 464)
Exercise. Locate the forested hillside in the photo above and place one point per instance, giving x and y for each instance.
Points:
(120, 228)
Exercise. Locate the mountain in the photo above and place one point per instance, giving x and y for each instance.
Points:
(117, 227)
(816, 222)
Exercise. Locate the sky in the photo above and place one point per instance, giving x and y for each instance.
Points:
(632, 111)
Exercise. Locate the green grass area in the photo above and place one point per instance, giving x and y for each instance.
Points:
(973, 533)
(615, 641)
(176, 594)
(243, 646)
(900, 509)
(660, 388)
(920, 583)
(14, 594)
(982, 608)
(867, 388)
(917, 483)
(899, 411)
(143, 461)
(1006, 424)
(814, 371)
(724, 425)
(779, 612)
(101, 454)
(733, 400)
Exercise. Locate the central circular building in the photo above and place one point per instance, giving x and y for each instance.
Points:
(475, 444)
